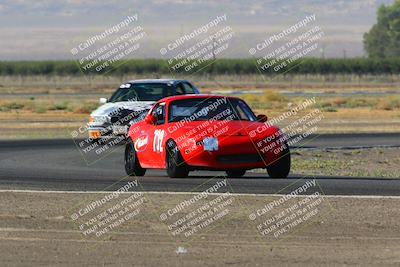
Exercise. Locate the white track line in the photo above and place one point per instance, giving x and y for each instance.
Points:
(194, 193)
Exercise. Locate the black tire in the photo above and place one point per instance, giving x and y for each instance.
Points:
(176, 167)
(235, 173)
(281, 167)
(132, 165)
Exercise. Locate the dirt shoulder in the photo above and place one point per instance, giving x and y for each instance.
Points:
(37, 229)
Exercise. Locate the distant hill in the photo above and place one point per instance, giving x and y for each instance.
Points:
(35, 30)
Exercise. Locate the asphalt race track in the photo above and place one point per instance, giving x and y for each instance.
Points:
(58, 165)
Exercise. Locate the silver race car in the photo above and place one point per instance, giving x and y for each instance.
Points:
(130, 103)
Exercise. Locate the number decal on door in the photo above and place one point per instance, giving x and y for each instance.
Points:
(158, 140)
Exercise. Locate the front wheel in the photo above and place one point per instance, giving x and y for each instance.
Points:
(132, 165)
(281, 167)
(175, 165)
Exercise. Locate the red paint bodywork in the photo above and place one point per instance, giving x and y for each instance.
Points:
(233, 140)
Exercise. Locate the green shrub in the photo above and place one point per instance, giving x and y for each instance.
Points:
(86, 107)
(329, 109)
(12, 106)
(59, 106)
(357, 66)
(40, 109)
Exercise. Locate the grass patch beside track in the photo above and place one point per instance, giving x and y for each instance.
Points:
(374, 162)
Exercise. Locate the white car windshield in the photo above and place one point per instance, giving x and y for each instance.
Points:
(142, 92)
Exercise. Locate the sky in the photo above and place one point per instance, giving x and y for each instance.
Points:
(49, 29)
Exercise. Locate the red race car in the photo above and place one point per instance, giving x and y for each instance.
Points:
(205, 132)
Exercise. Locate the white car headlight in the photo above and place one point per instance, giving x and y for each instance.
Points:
(100, 119)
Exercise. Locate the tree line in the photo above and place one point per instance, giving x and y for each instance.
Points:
(220, 66)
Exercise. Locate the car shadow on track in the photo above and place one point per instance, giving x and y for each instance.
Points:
(256, 176)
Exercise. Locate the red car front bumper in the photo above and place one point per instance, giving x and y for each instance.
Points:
(234, 152)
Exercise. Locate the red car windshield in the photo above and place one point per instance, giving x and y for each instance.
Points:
(197, 109)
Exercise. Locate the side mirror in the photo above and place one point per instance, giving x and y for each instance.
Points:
(150, 119)
(262, 118)
(103, 100)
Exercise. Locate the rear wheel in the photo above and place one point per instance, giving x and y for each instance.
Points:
(175, 165)
(281, 167)
(235, 173)
(132, 165)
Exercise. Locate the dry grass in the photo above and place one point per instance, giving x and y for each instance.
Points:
(376, 162)
(273, 100)
(268, 100)
(55, 100)
(106, 84)
(44, 106)
(390, 102)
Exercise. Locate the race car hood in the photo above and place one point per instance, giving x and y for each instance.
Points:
(109, 108)
(225, 128)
